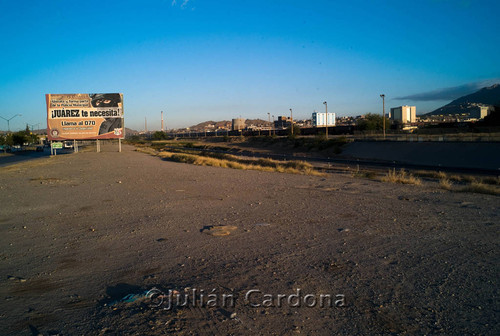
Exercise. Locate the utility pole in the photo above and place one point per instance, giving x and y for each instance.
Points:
(8, 120)
(291, 120)
(33, 126)
(383, 112)
(326, 118)
(269, 118)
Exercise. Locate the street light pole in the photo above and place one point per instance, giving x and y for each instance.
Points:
(269, 118)
(33, 126)
(8, 120)
(383, 112)
(326, 118)
(291, 121)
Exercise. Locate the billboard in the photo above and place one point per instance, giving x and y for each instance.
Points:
(85, 116)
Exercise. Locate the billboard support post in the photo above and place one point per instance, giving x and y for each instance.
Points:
(119, 145)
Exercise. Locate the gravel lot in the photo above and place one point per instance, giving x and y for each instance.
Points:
(79, 232)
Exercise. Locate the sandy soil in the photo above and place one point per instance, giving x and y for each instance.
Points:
(79, 232)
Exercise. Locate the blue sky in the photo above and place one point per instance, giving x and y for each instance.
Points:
(212, 60)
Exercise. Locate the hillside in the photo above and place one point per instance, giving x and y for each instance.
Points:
(486, 96)
(226, 123)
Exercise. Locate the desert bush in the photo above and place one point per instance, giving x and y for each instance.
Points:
(491, 180)
(147, 150)
(431, 174)
(481, 188)
(401, 177)
(230, 161)
(365, 174)
(445, 184)
(300, 165)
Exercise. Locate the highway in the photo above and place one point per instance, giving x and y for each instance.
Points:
(7, 159)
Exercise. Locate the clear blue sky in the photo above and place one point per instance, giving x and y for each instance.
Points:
(212, 60)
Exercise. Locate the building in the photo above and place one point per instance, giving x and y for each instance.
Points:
(319, 119)
(238, 124)
(404, 114)
(282, 122)
(479, 112)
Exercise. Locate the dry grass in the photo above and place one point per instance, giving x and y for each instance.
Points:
(430, 174)
(365, 174)
(491, 180)
(445, 184)
(231, 161)
(401, 177)
(24, 165)
(463, 178)
(481, 188)
(147, 150)
(446, 181)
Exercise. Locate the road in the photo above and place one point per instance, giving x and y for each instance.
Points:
(11, 158)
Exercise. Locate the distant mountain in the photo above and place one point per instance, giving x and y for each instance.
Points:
(130, 132)
(226, 123)
(210, 124)
(486, 96)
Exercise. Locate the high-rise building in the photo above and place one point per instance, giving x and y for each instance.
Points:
(479, 112)
(404, 114)
(319, 119)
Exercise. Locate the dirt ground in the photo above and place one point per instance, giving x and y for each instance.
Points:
(80, 232)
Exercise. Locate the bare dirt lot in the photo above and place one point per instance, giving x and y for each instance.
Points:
(80, 232)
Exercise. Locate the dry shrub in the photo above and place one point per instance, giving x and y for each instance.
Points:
(365, 174)
(481, 188)
(401, 177)
(445, 184)
(430, 174)
(463, 178)
(455, 178)
(266, 163)
(230, 161)
(146, 150)
(300, 165)
(469, 179)
(491, 180)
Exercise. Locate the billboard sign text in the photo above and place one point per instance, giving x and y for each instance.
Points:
(85, 116)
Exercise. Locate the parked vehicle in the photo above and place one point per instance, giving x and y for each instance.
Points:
(15, 148)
